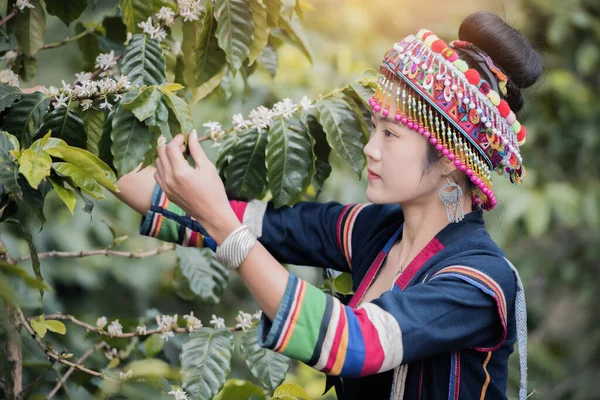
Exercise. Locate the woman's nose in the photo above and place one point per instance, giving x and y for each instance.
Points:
(371, 149)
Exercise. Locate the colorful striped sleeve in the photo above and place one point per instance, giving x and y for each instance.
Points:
(441, 316)
(309, 233)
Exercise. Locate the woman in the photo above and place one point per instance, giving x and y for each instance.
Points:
(434, 310)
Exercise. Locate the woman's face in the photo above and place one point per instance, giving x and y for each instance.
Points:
(396, 161)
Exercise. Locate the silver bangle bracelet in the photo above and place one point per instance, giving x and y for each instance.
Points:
(235, 248)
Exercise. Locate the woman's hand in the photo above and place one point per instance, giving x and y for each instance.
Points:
(198, 191)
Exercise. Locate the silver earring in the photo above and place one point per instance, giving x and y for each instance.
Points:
(451, 196)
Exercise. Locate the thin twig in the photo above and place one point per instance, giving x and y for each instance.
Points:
(9, 16)
(126, 335)
(53, 354)
(100, 252)
(66, 40)
(66, 376)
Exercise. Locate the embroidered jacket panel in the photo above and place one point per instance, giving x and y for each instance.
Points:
(449, 315)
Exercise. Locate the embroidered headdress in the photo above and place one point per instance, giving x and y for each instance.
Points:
(437, 95)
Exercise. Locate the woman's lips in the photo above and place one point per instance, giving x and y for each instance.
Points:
(372, 175)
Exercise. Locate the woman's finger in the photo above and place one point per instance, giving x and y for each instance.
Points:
(196, 150)
(164, 160)
(176, 159)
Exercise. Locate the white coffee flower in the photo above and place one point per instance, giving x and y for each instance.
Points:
(179, 394)
(10, 78)
(141, 330)
(105, 105)
(126, 375)
(166, 335)
(154, 31)
(257, 315)
(128, 38)
(167, 15)
(51, 91)
(22, 4)
(215, 130)
(244, 320)
(10, 56)
(161, 141)
(147, 25)
(112, 353)
(115, 328)
(190, 10)
(123, 83)
(192, 322)
(306, 103)
(285, 108)
(61, 101)
(66, 88)
(239, 123)
(218, 322)
(107, 85)
(83, 76)
(101, 322)
(86, 104)
(166, 322)
(261, 117)
(106, 61)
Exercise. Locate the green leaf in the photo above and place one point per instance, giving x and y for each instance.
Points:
(180, 110)
(236, 389)
(261, 29)
(30, 28)
(235, 30)
(246, 173)
(80, 178)
(268, 366)
(66, 11)
(269, 59)
(56, 327)
(114, 363)
(131, 140)
(361, 114)
(152, 367)
(144, 105)
(35, 166)
(8, 95)
(93, 122)
(321, 151)
(35, 260)
(88, 45)
(158, 123)
(343, 284)
(226, 150)
(273, 11)
(182, 286)
(66, 124)
(289, 159)
(153, 345)
(207, 278)
(204, 60)
(291, 389)
(105, 144)
(134, 12)
(9, 170)
(65, 194)
(47, 142)
(343, 131)
(297, 36)
(16, 270)
(39, 327)
(206, 362)
(25, 116)
(143, 61)
(88, 162)
(34, 198)
(28, 68)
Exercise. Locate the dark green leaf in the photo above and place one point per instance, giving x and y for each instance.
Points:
(144, 105)
(343, 284)
(206, 362)
(105, 144)
(131, 140)
(321, 151)
(35, 261)
(66, 124)
(246, 173)
(25, 116)
(289, 159)
(143, 62)
(235, 30)
(204, 60)
(93, 122)
(182, 286)
(343, 131)
(116, 31)
(34, 198)
(180, 110)
(28, 68)
(268, 366)
(66, 11)
(226, 152)
(261, 29)
(207, 278)
(8, 95)
(269, 59)
(30, 28)
(88, 45)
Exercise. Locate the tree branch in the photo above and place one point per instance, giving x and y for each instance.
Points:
(4, 252)
(66, 40)
(13, 350)
(9, 16)
(66, 376)
(100, 252)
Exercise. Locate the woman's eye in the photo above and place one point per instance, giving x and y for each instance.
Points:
(388, 133)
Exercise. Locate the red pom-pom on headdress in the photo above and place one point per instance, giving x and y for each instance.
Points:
(426, 35)
(473, 76)
(504, 108)
(522, 133)
(438, 46)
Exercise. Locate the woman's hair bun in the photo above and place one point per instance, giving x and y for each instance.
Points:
(506, 46)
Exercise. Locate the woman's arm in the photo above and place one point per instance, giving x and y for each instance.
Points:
(457, 309)
(136, 188)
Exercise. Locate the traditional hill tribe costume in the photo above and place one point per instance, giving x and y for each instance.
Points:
(447, 326)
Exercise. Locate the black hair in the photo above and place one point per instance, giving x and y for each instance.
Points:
(509, 50)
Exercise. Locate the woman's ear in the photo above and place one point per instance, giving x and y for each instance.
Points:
(447, 166)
